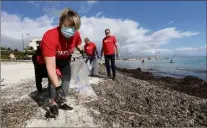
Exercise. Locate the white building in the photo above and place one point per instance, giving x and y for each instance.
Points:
(34, 43)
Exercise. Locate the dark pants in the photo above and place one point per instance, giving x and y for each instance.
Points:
(90, 58)
(108, 59)
(64, 67)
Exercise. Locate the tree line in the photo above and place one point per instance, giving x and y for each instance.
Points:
(6, 51)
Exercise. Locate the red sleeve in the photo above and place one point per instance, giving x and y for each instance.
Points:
(48, 46)
(79, 41)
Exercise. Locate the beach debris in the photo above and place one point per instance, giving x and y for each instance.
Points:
(150, 101)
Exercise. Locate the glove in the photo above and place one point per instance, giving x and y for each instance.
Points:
(117, 55)
(60, 95)
(83, 54)
(97, 56)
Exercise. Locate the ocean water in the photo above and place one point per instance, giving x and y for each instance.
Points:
(181, 66)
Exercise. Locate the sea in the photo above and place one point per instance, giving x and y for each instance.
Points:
(181, 66)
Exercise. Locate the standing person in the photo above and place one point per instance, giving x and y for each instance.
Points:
(109, 48)
(56, 48)
(90, 50)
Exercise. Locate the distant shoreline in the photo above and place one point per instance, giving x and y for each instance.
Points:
(159, 74)
(181, 67)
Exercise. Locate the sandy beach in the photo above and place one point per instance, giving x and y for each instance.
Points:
(22, 105)
(135, 99)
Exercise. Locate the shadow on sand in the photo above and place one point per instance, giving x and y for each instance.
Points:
(41, 98)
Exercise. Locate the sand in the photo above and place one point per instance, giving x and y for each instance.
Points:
(135, 99)
(19, 87)
(15, 73)
(78, 117)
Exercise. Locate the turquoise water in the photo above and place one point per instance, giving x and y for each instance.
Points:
(181, 67)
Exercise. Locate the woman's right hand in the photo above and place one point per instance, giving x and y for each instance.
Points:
(60, 95)
(51, 70)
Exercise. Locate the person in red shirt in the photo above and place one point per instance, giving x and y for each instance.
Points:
(90, 50)
(56, 47)
(109, 49)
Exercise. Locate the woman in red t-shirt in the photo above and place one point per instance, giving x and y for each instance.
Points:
(56, 47)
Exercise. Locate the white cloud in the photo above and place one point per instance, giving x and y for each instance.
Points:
(98, 14)
(133, 40)
(158, 52)
(190, 49)
(52, 11)
(86, 6)
(92, 1)
(12, 27)
(165, 35)
(34, 3)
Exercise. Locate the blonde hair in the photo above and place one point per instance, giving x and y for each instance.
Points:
(71, 16)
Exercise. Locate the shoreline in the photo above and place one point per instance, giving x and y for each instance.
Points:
(178, 69)
(135, 99)
(150, 73)
(190, 84)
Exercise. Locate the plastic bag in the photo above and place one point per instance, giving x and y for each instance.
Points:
(80, 82)
(89, 67)
(93, 67)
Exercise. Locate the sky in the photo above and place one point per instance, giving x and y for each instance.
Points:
(142, 28)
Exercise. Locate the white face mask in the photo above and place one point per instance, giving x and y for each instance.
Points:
(68, 31)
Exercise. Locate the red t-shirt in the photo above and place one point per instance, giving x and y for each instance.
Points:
(90, 49)
(55, 44)
(108, 45)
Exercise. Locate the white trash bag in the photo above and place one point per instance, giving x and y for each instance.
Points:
(89, 67)
(93, 67)
(80, 82)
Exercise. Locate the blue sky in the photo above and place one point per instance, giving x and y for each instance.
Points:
(188, 16)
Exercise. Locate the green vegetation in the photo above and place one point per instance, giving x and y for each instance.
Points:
(20, 55)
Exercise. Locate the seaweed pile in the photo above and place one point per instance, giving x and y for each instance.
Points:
(139, 99)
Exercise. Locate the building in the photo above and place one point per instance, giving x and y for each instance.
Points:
(34, 43)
